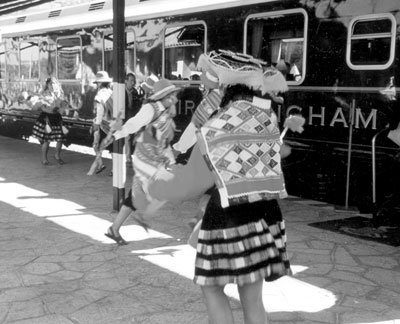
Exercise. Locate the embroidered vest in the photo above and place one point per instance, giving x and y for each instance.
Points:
(152, 145)
(105, 97)
(241, 146)
(206, 108)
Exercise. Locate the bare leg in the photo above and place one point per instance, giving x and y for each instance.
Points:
(252, 303)
(45, 150)
(123, 214)
(219, 309)
(58, 150)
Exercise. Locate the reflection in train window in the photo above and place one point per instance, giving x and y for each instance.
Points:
(92, 51)
(69, 59)
(108, 53)
(130, 54)
(29, 56)
(12, 60)
(2, 61)
(279, 38)
(371, 42)
(183, 44)
(47, 58)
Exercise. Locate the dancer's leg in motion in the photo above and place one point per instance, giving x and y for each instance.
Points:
(218, 307)
(252, 303)
(45, 150)
(57, 155)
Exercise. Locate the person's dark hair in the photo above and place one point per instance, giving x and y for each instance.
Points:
(130, 74)
(48, 81)
(236, 90)
(105, 85)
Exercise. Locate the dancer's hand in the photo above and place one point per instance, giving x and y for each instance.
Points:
(295, 123)
(115, 125)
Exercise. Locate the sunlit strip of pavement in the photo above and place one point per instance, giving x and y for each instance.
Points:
(68, 214)
(287, 294)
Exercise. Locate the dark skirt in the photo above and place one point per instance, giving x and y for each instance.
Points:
(241, 244)
(55, 122)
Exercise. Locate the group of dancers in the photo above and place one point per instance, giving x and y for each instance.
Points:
(234, 165)
(235, 160)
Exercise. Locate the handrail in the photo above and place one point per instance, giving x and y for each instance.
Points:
(374, 164)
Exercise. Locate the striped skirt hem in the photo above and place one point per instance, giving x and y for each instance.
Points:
(241, 255)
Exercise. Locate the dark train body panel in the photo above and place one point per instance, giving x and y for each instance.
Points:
(341, 60)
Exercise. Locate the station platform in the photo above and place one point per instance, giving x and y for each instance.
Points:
(57, 267)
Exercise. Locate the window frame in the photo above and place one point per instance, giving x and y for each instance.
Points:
(350, 37)
(131, 31)
(305, 36)
(177, 24)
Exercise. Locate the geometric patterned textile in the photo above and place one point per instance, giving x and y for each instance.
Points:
(241, 146)
(206, 108)
(105, 98)
(152, 148)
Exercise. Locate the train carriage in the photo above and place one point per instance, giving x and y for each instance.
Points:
(340, 58)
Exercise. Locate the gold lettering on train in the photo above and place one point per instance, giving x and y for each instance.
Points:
(311, 116)
(290, 108)
(189, 105)
(360, 117)
(339, 118)
(186, 107)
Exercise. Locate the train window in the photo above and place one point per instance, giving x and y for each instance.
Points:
(29, 56)
(12, 60)
(371, 42)
(2, 61)
(280, 39)
(183, 45)
(69, 59)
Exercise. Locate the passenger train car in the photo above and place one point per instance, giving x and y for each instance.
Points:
(340, 57)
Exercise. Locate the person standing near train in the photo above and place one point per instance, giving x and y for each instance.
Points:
(154, 128)
(49, 125)
(103, 106)
(242, 238)
(133, 102)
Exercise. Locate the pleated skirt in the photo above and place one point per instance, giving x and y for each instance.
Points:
(55, 122)
(241, 244)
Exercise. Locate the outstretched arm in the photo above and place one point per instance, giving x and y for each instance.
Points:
(142, 118)
(186, 182)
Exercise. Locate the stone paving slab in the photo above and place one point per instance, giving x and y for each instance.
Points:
(57, 267)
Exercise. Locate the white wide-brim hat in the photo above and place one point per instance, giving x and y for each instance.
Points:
(102, 77)
(148, 84)
(162, 89)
